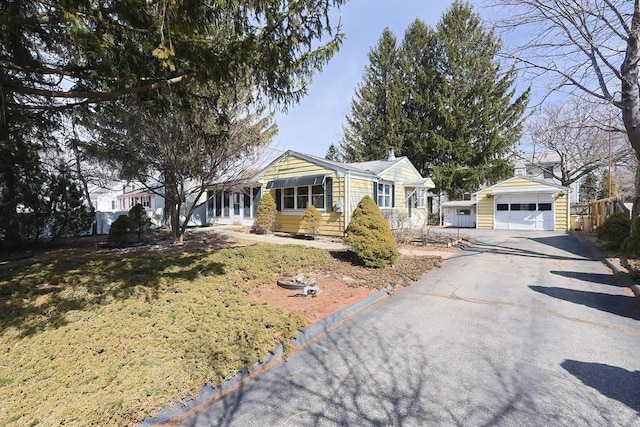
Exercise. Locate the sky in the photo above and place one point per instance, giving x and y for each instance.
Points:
(316, 121)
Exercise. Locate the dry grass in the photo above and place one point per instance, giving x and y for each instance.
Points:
(109, 337)
(106, 340)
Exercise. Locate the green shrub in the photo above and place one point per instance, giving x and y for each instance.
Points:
(614, 230)
(120, 231)
(631, 245)
(140, 222)
(266, 214)
(130, 228)
(370, 237)
(311, 219)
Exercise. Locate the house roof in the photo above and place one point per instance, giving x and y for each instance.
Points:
(459, 203)
(371, 169)
(541, 158)
(141, 190)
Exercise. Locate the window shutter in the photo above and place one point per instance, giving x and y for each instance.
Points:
(393, 195)
(278, 199)
(328, 191)
(375, 192)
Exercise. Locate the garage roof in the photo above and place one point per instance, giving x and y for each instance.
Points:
(459, 203)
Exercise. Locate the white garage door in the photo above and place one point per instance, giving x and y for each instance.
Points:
(524, 212)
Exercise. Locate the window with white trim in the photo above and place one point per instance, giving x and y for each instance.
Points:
(317, 196)
(303, 197)
(289, 198)
(385, 195)
(420, 197)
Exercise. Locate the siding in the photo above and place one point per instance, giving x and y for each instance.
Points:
(484, 211)
(358, 188)
(401, 173)
(292, 167)
(332, 223)
(562, 207)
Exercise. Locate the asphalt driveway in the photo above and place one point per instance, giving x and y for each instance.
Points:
(520, 329)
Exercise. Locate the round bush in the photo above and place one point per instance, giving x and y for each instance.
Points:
(120, 230)
(370, 237)
(614, 230)
(311, 219)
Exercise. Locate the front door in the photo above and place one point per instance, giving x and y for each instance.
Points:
(233, 207)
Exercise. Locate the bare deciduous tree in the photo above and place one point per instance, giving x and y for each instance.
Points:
(581, 134)
(182, 153)
(587, 46)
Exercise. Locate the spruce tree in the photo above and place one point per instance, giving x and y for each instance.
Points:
(333, 153)
(419, 71)
(589, 188)
(376, 114)
(605, 186)
(448, 105)
(478, 119)
(370, 237)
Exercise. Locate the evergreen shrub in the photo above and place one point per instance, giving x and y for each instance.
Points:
(370, 237)
(614, 230)
(311, 219)
(140, 222)
(266, 214)
(130, 228)
(631, 245)
(120, 231)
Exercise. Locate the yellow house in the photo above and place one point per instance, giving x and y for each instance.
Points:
(298, 180)
(523, 203)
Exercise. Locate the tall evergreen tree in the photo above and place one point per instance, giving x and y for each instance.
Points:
(607, 186)
(589, 188)
(58, 56)
(447, 105)
(374, 123)
(420, 76)
(478, 119)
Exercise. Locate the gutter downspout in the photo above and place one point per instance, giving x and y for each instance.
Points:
(568, 227)
(347, 201)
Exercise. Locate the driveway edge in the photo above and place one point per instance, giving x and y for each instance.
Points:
(621, 276)
(180, 410)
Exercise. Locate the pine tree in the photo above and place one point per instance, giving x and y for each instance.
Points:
(370, 237)
(605, 186)
(266, 214)
(447, 105)
(376, 115)
(477, 123)
(418, 67)
(333, 153)
(311, 219)
(589, 188)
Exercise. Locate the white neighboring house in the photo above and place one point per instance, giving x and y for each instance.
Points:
(118, 197)
(543, 166)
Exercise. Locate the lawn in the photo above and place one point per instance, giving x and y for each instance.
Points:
(109, 337)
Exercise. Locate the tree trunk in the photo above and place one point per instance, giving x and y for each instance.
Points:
(630, 97)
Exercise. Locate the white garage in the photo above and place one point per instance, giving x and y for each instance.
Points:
(523, 203)
(524, 211)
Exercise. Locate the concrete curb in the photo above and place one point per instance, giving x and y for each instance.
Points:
(621, 276)
(209, 393)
